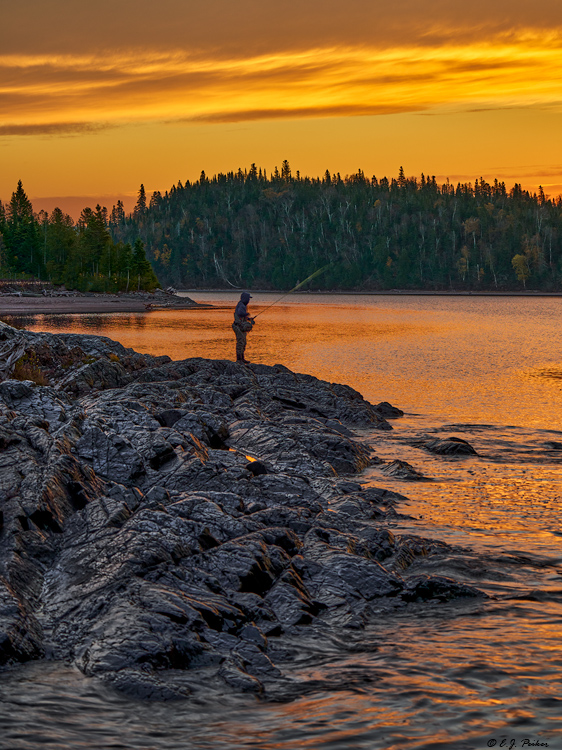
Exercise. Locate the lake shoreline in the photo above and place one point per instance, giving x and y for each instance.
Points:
(93, 304)
(383, 293)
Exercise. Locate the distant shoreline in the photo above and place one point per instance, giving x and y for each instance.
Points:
(110, 303)
(90, 305)
(385, 293)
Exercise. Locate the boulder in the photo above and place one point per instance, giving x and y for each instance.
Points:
(402, 470)
(451, 446)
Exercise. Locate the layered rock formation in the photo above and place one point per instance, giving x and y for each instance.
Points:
(165, 525)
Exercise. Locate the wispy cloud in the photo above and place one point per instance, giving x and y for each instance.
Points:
(65, 94)
(249, 28)
(54, 128)
(295, 113)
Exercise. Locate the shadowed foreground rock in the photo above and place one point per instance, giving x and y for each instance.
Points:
(167, 525)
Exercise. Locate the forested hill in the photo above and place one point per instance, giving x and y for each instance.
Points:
(247, 230)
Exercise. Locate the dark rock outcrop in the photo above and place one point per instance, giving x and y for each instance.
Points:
(170, 524)
(402, 470)
(451, 446)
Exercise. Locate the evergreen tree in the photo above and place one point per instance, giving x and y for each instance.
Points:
(2, 231)
(125, 262)
(155, 199)
(117, 215)
(286, 171)
(140, 207)
(94, 237)
(61, 245)
(21, 235)
(141, 268)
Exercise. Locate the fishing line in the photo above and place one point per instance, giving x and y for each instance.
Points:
(294, 289)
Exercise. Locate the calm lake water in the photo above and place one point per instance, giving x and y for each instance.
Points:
(461, 675)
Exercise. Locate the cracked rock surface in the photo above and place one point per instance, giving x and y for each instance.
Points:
(167, 525)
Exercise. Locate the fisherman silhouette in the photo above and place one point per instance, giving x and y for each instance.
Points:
(242, 325)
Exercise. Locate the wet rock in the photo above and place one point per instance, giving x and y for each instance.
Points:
(309, 451)
(290, 601)
(425, 588)
(402, 470)
(256, 468)
(335, 577)
(234, 674)
(140, 542)
(387, 411)
(57, 358)
(451, 446)
(27, 399)
(20, 633)
(97, 375)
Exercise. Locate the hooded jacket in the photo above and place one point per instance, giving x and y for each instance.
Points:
(241, 311)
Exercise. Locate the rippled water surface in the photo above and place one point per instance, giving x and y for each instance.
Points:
(477, 359)
(460, 675)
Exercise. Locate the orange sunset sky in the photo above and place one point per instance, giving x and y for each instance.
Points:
(99, 97)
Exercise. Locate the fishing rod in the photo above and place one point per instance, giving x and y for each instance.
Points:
(294, 289)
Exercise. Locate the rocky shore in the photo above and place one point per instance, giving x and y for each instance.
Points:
(167, 525)
(33, 299)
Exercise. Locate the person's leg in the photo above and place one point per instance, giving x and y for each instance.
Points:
(240, 343)
(243, 336)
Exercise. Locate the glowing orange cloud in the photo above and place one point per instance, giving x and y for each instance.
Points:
(58, 94)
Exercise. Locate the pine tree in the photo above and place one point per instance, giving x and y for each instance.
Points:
(2, 231)
(117, 215)
(94, 238)
(140, 207)
(141, 268)
(62, 242)
(21, 235)
(155, 199)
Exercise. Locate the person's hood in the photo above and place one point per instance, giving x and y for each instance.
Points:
(245, 297)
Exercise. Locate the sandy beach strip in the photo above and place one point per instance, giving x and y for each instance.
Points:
(12, 305)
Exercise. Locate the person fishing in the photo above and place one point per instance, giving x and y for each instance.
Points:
(243, 323)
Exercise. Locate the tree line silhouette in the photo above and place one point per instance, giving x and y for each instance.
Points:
(254, 230)
(248, 229)
(81, 256)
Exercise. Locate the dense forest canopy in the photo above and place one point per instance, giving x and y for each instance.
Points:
(81, 256)
(249, 229)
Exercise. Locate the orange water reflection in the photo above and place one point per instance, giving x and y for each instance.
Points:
(474, 359)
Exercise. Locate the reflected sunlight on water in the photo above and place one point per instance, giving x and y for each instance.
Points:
(455, 675)
(477, 359)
